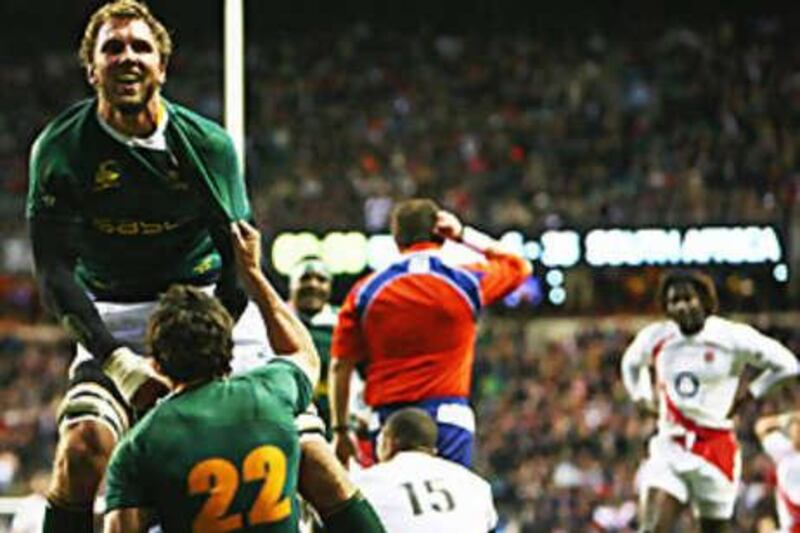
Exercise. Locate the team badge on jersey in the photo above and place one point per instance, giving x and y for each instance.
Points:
(686, 384)
(107, 176)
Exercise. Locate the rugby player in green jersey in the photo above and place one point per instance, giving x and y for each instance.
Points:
(309, 291)
(130, 193)
(221, 454)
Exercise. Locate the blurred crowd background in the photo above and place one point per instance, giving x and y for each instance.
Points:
(634, 122)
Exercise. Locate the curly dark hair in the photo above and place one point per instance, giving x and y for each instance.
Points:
(189, 334)
(701, 282)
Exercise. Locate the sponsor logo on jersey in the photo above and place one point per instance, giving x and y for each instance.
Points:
(132, 227)
(205, 264)
(107, 176)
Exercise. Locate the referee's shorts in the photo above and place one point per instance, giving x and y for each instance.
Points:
(454, 418)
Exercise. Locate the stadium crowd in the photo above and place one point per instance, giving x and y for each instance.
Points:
(512, 130)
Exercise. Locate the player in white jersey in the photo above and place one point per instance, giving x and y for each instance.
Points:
(780, 437)
(413, 491)
(698, 360)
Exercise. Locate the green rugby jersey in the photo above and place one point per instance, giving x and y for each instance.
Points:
(220, 457)
(142, 214)
(321, 327)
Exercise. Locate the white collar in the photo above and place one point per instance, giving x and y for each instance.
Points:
(156, 141)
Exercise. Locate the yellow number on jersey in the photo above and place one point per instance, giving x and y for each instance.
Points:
(220, 479)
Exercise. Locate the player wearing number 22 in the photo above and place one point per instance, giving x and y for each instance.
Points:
(219, 453)
(698, 359)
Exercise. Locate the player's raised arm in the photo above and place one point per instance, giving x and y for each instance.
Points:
(502, 272)
(286, 332)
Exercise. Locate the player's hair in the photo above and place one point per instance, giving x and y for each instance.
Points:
(411, 428)
(701, 282)
(189, 334)
(413, 222)
(130, 9)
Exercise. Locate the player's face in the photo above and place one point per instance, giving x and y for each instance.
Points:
(685, 308)
(126, 68)
(311, 292)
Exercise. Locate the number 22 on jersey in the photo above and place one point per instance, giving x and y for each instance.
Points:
(219, 478)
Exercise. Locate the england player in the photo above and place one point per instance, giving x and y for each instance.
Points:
(413, 323)
(180, 463)
(780, 438)
(698, 359)
(413, 491)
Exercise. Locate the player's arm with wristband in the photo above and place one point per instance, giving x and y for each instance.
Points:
(340, 375)
(503, 270)
(286, 332)
(348, 347)
(449, 226)
(54, 259)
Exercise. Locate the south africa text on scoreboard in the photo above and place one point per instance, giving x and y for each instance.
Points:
(351, 252)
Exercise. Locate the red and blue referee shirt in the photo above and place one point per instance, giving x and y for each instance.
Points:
(414, 322)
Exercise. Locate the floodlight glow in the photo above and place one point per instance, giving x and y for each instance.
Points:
(345, 252)
(532, 250)
(554, 278)
(557, 296)
(561, 248)
(781, 273)
(289, 248)
(381, 251)
(513, 241)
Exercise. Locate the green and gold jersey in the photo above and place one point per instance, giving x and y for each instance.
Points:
(141, 213)
(223, 456)
(321, 327)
